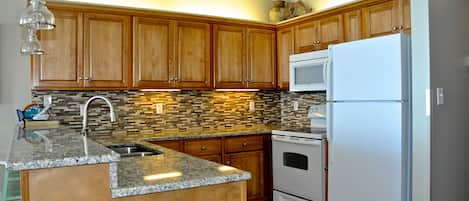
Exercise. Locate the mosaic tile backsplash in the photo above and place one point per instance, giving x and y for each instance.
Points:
(136, 110)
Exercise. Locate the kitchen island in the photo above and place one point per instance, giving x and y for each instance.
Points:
(60, 164)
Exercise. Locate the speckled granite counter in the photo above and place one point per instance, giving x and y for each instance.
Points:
(169, 171)
(188, 134)
(55, 147)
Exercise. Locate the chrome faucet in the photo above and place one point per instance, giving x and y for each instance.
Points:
(85, 112)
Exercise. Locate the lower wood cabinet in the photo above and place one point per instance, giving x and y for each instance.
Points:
(253, 162)
(250, 153)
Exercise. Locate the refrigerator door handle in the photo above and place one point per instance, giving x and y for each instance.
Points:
(328, 73)
(324, 71)
(329, 122)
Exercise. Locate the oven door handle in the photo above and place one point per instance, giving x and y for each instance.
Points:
(297, 141)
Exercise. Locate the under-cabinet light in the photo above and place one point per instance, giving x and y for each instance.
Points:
(226, 168)
(234, 90)
(156, 90)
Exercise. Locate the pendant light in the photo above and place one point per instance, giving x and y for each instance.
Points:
(37, 16)
(31, 45)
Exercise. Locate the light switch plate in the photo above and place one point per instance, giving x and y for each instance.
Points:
(295, 105)
(82, 110)
(47, 100)
(159, 108)
(252, 106)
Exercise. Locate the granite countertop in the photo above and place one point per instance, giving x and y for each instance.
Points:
(188, 134)
(169, 171)
(54, 147)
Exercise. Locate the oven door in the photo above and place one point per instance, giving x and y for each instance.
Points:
(308, 75)
(298, 166)
(279, 196)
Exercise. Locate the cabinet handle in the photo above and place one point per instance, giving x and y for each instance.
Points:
(80, 78)
(317, 42)
(401, 28)
(244, 144)
(176, 79)
(203, 148)
(394, 29)
(228, 162)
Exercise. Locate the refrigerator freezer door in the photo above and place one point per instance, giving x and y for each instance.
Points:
(367, 158)
(372, 69)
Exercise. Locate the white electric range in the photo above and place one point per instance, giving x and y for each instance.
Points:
(299, 161)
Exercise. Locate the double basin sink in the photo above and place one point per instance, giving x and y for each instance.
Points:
(134, 150)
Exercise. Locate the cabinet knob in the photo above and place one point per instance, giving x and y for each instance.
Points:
(244, 144)
(317, 42)
(401, 27)
(176, 79)
(80, 78)
(87, 78)
(394, 29)
(228, 162)
(203, 148)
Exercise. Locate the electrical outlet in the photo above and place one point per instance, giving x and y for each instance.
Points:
(252, 106)
(47, 100)
(159, 108)
(82, 110)
(295, 105)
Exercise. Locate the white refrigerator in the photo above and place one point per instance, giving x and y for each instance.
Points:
(368, 103)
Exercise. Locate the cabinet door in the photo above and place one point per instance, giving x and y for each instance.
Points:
(153, 53)
(353, 25)
(331, 31)
(193, 55)
(62, 65)
(307, 37)
(230, 63)
(252, 162)
(285, 48)
(170, 144)
(381, 19)
(107, 41)
(405, 9)
(261, 59)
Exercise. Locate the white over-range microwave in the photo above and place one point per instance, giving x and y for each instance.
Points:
(308, 71)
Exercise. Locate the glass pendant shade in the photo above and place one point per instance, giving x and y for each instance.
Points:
(31, 45)
(37, 16)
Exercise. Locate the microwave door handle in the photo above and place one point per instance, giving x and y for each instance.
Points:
(312, 143)
(324, 71)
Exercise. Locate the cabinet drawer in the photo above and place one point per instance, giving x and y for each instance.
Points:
(245, 143)
(170, 144)
(213, 158)
(203, 147)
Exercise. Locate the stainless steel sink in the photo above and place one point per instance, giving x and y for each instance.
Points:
(134, 150)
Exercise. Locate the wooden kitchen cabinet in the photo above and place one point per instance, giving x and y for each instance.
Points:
(331, 31)
(381, 19)
(203, 147)
(170, 144)
(261, 59)
(406, 16)
(307, 37)
(229, 56)
(244, 58)
(107, 50)
(193, 55)
(153, 53)
(285, 48)
(62, 65)
(352, 25)
(171, 54)
(252, 162)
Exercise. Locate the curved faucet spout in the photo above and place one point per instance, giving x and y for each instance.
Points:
(85, 112)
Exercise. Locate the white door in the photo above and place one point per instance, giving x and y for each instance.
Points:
(368, 151)
(298, 166)
(372, 69)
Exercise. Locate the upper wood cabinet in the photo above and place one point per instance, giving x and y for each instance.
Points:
(229, 56)
(331, 31)
(62, 65)
(319, 34)
(307, 37)
(243, 58)
(285, 48)
(193, 55)
(352, 25)
(171, 54)
(153, 53)
(406, 18)
(107, 50)
(261, 59)
(381, 19)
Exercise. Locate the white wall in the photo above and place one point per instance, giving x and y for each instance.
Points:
(324, 4)
(14, 69)
(449, 45)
